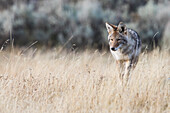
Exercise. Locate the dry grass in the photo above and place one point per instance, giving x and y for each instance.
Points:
(82, 82)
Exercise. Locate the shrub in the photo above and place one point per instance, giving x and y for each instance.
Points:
(52, 23)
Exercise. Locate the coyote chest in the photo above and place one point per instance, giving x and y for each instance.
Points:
(118, 55)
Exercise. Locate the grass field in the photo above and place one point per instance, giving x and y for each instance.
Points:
(82, 82)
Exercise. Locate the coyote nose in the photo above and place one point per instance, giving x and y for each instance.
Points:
(113, 49)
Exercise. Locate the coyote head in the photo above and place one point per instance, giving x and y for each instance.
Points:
(117, 35)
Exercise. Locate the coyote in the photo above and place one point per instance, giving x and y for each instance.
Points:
(125, 46)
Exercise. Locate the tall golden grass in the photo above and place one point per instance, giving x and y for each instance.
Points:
(85, 82)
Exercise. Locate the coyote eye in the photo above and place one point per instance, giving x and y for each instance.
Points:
(118, 39)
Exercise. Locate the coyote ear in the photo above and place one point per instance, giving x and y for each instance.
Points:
(110, 27)
(122, 28)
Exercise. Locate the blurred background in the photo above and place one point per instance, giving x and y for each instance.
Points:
(80, 24)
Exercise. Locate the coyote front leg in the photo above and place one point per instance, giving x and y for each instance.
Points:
(120, 68)
(128, 67)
